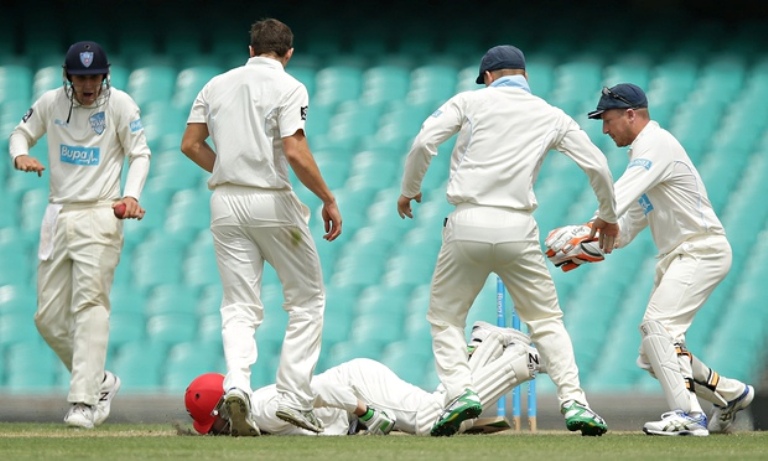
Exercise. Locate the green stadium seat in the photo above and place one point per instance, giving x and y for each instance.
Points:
(189, 82)
(188, 214)
(200, 267)
(171, 328)
(16, 299)
(432, 84)
(188, 360)
(46, 78)
(632, 68)
(139, 365)
(171, 299)
(25, 379)
(382, 300)
(209, 329)
(403, 120)
(157, 261)
(337, 325)
(407, 363)
(354, 120)
(18, 327)
(385, 83)
(161, 120)
(305, 75)
(335, 84)
(125, 327)
(210, 297)
(152, 83)
(353, 349)
(175, 171)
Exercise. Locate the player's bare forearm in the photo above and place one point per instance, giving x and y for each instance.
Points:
(303, 164)
(193, 145)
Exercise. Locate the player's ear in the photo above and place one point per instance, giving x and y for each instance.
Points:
(250, 51)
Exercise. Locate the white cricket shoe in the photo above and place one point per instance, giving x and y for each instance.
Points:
(237, 408)
(109, 388)
(678, 422)
(80, 415)
(722, 417)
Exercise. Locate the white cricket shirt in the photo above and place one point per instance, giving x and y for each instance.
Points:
(504, 134)
(661, 188)
(248, 111)
(86, 155)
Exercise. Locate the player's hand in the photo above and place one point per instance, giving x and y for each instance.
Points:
(132, 208)
(331, 220)
(404, 205)
(28, 164)
(607, 234)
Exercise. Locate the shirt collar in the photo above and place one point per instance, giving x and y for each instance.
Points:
(262, 61)
(514, 81)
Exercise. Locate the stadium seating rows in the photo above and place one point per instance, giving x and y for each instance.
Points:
(368, 100)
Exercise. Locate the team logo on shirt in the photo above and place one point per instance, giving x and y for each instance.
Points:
(645, 202)
(86, 57)
(79, 155)
(641, 162)
(27, 115)
(98, 122)
(304, 112)
(436, 113)
(136, 125)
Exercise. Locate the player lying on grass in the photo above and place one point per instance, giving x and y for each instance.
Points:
(365, 395)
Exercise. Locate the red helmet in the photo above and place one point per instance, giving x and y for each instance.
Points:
(201, 398)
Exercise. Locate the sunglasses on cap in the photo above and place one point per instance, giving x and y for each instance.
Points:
(607, 92)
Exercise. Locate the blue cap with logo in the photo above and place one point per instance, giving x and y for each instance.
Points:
(86, 58)
(621, 96)
(501, 57)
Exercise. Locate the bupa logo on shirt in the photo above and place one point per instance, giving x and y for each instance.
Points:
(98, 122)
(79, 155)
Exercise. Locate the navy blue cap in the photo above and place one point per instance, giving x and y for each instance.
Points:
(621, 96)
(501, 57)
(86, 58)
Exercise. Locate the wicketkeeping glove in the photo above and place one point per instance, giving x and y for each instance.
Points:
(570, 246)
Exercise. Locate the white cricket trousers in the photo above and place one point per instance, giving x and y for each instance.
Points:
(251, 226)
(684, 280)
(73, 293)
(478, 241)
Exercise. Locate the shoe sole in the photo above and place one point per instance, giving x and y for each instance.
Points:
(450, 425)
(588, 429)
(693, 433)
(237, 409)
(297, 421)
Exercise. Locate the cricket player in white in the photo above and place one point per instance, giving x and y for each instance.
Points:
(504, 134)
(255, 116)
(662, 189)
(91, 129)
(363, 392)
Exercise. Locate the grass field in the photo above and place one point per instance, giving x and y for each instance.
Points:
(116, 442)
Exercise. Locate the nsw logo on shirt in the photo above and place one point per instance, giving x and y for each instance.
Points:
(79, 155)
(98, 122)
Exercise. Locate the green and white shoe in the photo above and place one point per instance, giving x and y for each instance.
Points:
(466, 406)
(580, 417)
